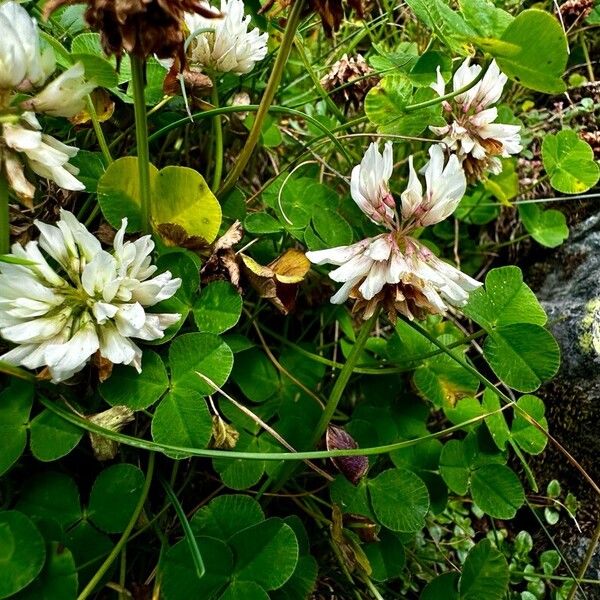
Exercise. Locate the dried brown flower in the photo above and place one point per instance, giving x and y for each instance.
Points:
(139, 27)
(575, 11)
(349, 81)
(353, 468)
(222, 263)
(330, 11)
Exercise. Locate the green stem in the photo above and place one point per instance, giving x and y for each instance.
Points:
(4, 216)
(218, 131)
(89, 588)
(587, 559)
(342, 381)
(98, 131)
(267, 99)
(316, 83)
(555, 577)
(142, 444)
(439, 99)
(138, 66)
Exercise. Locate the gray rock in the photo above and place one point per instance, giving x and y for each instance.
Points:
(568, 286)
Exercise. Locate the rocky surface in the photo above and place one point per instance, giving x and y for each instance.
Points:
(568, 286)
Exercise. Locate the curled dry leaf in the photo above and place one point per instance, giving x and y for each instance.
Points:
(350, 550)
(104, 107)
(224, 435)
(353, 468)
(196, 83)
(221, 263)
(277, 282)
(365, 528)
(115, 419)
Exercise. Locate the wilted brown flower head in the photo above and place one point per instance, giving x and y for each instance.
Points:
(353, 468)
(330, 11)
(349, 81)
(139, 27)
(575, 11)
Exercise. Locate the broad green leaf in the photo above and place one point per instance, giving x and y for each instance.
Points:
(448, 25)
(385, 106)
(204, 353)
(179, 196)
(22, 552)
(455, 466)
(475, 208)
(464, 410)
(244, 590)
(569, 161)
(179, 580)
(114, 496)
(386, 557)
(485, 18)
(522, 355)
(497, 491)
(255, 374)
(51, 496)
(424, 71)
(89, 547)
(224, 516)
(400, 500)
(257, 549)
(547, 227)
(505, 300)
(444, 382)
(182, 264)
(302, 582)
(444, 586)
(504, 186)
(52, 437)
(97, 70)
(496, 423)
(239, 474)
(182, 419)
(127, 387)
(119, 192)
(485, 574)
(15, 406)
(532, 51)
(218, 308)
(351, 498)
(58, 579)
(332, 228)
(261, 223)
(525, 433)
(91, 167)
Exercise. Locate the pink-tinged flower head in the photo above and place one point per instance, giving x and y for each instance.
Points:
(471, 131)
(95, 301)
(369, 185)
(393, 269)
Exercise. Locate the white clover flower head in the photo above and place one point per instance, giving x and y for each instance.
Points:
(94, 301)
(23, 142)
(395, 270)
(224, 44)
(23, 65)
(369, 185)
(471, 131)
(63, 96)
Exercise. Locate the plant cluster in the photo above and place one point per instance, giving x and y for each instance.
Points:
(260, 331)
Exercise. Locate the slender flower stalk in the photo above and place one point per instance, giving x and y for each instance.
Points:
(4, 216)
(138, 66)
(269, 94)
(218, 132)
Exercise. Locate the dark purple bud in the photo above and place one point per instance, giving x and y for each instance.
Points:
(353, 468)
